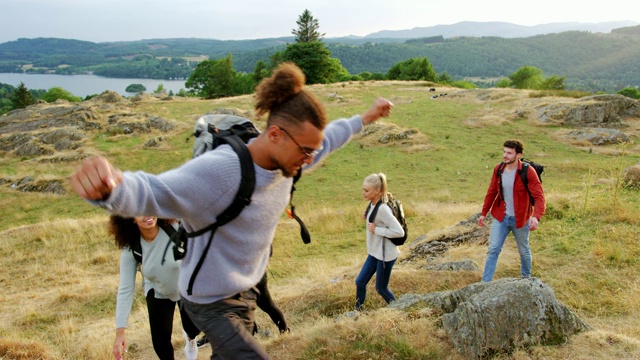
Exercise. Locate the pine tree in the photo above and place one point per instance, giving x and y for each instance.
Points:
(311, 55)
(21, 97)
(307, 29)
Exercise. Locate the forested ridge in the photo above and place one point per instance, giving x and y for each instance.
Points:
(593, 61)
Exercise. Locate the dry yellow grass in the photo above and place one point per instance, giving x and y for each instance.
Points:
(63, 307)
(60, 272)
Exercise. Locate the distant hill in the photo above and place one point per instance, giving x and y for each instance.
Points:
(499, 29)
(589, 61)
(597, 57)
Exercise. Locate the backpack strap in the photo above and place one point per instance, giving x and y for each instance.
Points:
(500, 169)
(247, 184)
(372, 217)
(170, 230)
(136, 249)
(136, 246)
(304, 232)
(167, 227)
(241, 200)
(524, 175)
(374, 212)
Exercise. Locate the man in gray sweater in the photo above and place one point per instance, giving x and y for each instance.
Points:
(222, 300)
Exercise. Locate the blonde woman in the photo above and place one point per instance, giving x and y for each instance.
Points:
(382, 253)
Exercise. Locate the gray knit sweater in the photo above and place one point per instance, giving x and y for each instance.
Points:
(202, 188)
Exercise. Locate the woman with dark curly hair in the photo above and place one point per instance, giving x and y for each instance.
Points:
(144, 243)
(221, 300)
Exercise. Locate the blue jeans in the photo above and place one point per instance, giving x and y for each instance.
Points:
(499, 232)
(382, 270)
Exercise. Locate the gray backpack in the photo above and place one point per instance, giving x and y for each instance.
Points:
(210, 130)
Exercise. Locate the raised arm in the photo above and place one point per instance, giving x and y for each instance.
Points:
(381, 107)
(95, 179)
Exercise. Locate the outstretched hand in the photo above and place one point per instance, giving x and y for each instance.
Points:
(120, 345)
(380, 108)
(95, 179)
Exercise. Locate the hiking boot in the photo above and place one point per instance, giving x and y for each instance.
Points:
(202, 342)
(190, 347)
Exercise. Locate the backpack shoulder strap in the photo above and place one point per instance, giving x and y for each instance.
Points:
(247, 181)
(136, 249)
(499, 174)
(171, 231)
(242, 199)
(167, 227)
(524, 175)
(374, 212)
(247, 185)
(304, 232)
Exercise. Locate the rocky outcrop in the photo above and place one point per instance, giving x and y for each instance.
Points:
(141, 96)
(154, 142)
(45, 129)
(63, 131)
(38, 117)
(462, 265)
(41, 143)
(109, 97)
(601, 111)
(433, 246)
(387, 133)
(29, 184)
(598, 136)
(499, 316)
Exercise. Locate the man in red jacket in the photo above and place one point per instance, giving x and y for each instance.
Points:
(512, 208)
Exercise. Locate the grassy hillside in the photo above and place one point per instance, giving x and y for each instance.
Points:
(61, 268)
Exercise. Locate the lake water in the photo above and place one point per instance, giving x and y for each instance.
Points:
(83, 85)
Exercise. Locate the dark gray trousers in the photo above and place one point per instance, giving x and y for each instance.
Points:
(229, 325)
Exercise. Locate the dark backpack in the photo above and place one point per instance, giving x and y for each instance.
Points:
(136, 246)
(398, 212)
(211, 131)
(523, 175)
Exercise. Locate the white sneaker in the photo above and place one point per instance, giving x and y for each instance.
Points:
(190, 347)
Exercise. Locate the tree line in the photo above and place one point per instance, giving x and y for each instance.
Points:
(215, 78)
(597, 62)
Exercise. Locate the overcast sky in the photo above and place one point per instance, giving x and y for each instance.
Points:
(124, 20)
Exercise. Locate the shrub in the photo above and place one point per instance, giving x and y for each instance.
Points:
(630, 92)
(56, 93)
(632, 178)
